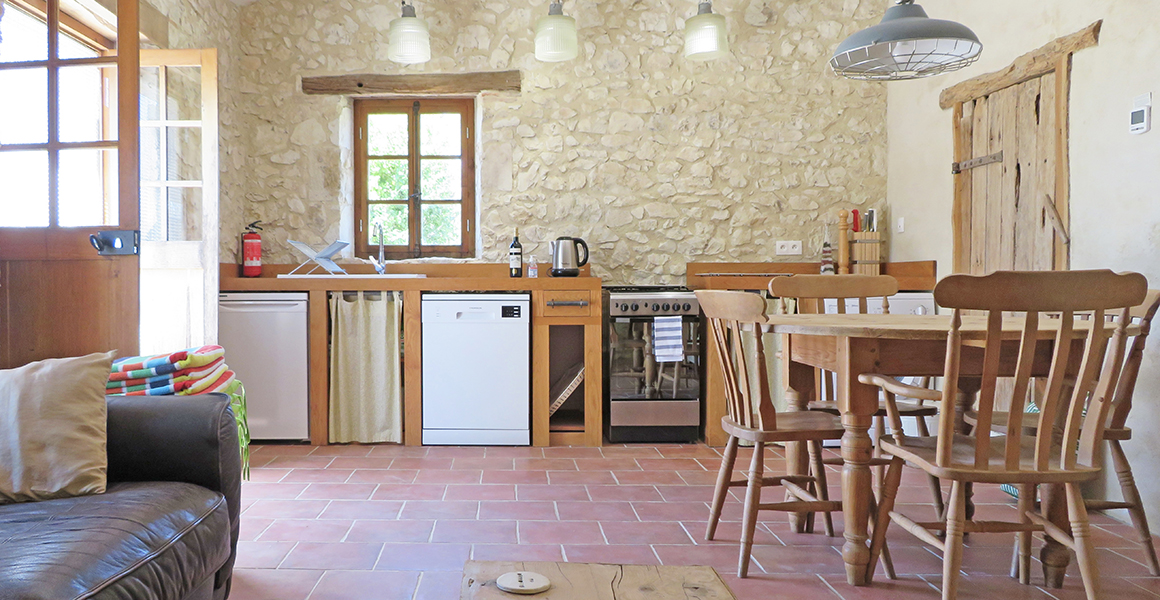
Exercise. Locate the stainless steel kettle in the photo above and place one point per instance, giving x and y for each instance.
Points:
(565, 256)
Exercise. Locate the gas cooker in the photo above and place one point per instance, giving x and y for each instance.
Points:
(651, 301)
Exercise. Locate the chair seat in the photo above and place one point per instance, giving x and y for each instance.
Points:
(791, 427)
(1031, 423)
(922, 452)
(905, 409)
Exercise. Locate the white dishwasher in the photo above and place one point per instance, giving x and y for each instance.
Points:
(264, 335)
(476, 369)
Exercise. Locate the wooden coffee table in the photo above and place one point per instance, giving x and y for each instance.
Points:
(585, 581)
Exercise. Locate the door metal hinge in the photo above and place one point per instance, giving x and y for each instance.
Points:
(967, 165)
(469, 226)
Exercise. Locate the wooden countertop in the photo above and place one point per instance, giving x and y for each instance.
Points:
(472, 277)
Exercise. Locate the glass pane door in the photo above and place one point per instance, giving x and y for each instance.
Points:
(178, 202)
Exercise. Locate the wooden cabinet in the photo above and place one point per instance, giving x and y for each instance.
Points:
(566, 312)
(567, 325)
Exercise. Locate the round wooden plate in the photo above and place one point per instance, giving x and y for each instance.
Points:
(522, 582)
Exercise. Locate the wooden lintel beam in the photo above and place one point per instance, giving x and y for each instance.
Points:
(442, 83)
(1026, 67)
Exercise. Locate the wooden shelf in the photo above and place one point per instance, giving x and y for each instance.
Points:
(567, 420)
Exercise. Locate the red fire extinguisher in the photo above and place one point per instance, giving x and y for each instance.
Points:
(252, 251)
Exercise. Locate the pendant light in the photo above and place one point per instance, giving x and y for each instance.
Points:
(410, 42)
(906, 45)
(705, 34)
(556, 36)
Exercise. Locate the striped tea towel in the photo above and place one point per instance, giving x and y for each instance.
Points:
(668, 343)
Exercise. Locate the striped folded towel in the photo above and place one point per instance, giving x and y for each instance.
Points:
(223, 384)
(219, 381)
(198, 386)
(668, 339)
(144, 367)
(143, 383)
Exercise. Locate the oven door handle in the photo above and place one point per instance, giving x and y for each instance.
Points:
(555, 303)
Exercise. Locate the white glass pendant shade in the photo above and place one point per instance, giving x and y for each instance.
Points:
(705, 35)
(410, 42)
(907, 44)
(556, 38)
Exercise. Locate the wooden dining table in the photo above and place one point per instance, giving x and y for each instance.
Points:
(898, 345)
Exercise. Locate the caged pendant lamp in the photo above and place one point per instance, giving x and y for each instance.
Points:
(410, 42)
(556, 36)
(907, 44)
(705, 35)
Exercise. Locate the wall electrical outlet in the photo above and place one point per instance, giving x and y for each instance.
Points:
(787, 248)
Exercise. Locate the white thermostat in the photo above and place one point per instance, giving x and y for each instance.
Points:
(1142, 115)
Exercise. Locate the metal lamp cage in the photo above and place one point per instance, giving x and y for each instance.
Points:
(907, 44)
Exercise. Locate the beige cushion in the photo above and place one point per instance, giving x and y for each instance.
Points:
(52, 428)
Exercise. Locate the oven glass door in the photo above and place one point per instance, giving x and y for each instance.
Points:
(635, 374)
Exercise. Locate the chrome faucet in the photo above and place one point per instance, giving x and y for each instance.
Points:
(381, 264)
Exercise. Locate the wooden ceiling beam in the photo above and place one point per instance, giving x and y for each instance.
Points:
(1029, 66)
(426, 83)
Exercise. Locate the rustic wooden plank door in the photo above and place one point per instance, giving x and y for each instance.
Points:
(1008, 201)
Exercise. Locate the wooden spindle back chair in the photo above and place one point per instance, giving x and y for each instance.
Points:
(1127, 368)
(811, 293)
(1117, 431)
(1020, 457)
(752, 417)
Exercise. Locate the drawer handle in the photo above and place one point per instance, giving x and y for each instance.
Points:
(554, 303)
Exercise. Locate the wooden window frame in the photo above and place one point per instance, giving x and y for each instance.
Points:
(363, 107)
(59, 22)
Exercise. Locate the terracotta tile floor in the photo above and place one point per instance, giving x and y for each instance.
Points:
(388, 522)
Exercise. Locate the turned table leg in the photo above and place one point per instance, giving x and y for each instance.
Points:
(968, 390)
(858, 403)
(1055, 556)
(799, 389)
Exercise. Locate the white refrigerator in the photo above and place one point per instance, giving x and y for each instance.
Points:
(264, 335)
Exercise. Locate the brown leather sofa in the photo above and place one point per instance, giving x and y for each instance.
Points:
(166, 529)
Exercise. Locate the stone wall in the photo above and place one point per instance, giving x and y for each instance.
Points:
(653, 159)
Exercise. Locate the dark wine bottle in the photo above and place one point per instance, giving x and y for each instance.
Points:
(516, 256)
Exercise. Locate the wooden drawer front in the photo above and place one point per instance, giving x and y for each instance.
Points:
(566, 304)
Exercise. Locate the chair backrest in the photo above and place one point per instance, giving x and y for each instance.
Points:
(731, 316)
(1032, 293)
(1129, 371)
(812, 291)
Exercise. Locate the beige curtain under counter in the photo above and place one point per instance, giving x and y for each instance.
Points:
(366, 391)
